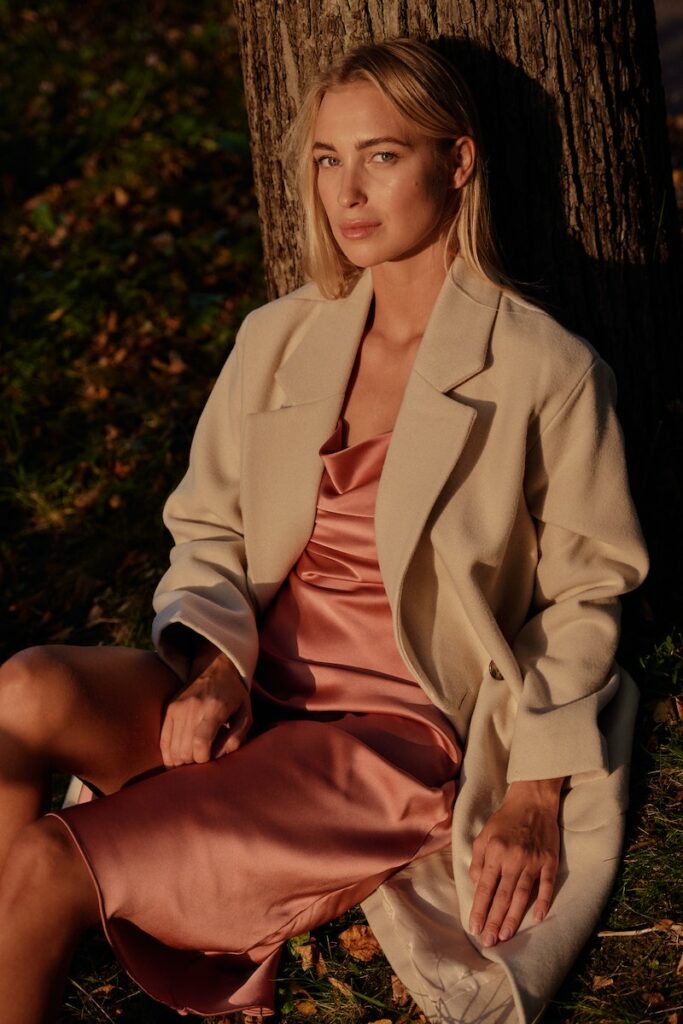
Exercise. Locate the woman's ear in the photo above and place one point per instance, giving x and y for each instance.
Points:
(462, 157)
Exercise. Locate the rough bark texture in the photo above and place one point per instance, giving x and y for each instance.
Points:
(573, 113)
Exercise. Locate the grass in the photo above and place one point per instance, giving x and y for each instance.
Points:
(130, 242)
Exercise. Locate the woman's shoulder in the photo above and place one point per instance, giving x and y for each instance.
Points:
(527, 343)
(528, 327)
(530, 341)
(278, 314)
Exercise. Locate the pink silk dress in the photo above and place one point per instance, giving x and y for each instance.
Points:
(348, 773)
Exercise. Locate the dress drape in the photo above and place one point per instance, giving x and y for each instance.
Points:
(348, 773)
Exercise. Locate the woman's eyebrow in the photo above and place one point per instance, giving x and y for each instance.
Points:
(365, 143)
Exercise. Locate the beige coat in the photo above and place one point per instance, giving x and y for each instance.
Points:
(505, 535)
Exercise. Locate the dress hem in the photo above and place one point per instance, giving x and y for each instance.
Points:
(261, 1009)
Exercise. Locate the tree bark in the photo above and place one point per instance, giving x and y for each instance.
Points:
(573, 114)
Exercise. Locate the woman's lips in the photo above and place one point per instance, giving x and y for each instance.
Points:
(358, 230)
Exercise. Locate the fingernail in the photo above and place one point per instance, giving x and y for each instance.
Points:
(489, 939)
(504, 933)
(475, 928)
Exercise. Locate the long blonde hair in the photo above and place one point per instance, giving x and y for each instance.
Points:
(434, 99)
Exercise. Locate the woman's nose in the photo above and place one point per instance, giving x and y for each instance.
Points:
(350, 190)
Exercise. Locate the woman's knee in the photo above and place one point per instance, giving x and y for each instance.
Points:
(45, 870)
(38, 693)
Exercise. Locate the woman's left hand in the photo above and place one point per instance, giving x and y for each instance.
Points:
(198, 714)
(518, 846)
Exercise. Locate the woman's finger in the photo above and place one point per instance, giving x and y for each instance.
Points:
(187, 719)
(483, 894)
(204, 734)
(165, 740)
(518, 905)
(546, 888)
(239, 726)
(477, 862)
(500, 906)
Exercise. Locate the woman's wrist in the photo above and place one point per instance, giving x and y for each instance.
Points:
(205, 652)
(545, 792)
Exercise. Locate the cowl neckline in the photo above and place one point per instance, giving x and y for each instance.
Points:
(358, 464)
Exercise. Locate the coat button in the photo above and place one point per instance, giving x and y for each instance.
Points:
(495, 671)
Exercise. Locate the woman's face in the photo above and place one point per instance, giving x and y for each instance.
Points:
(379, 179)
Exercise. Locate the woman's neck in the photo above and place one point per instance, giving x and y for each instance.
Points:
(405, 292)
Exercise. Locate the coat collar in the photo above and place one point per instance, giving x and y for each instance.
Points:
(453, 347)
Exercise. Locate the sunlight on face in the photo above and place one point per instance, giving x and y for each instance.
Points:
(378, 178)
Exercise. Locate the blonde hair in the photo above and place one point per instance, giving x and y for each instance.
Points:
(433, 97)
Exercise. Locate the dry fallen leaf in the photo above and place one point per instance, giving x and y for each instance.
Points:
(341, 986)
(413, 1015)
(672, 1018)
(667, 925)
(601, 982)
(664, 710)
(320, 965)
(654, 998)
(399, 993)
(359, 942)
(305, 951)
(95, 392)
(306, 1008)
(679, 969)
(86, 499)
(310, 955)
(103, 990)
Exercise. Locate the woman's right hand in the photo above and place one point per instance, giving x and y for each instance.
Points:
(214, 698)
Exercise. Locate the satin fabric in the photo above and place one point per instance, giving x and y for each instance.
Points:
(349, 772)
(326, 641)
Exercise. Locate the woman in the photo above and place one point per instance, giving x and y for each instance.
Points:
(404, 531)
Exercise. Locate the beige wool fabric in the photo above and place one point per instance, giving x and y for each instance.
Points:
(505, 534)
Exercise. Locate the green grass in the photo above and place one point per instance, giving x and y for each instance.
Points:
(130, 247)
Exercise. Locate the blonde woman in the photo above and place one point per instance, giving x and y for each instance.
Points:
(384, 668)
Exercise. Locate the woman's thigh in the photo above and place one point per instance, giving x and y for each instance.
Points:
(94, 712)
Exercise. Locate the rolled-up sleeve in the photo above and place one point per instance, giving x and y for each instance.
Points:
(205, 590)
(590, 551)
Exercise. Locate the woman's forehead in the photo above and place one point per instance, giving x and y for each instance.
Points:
(360, 110)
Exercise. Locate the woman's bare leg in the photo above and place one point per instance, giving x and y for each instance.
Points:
(47, 900)
(95, 712)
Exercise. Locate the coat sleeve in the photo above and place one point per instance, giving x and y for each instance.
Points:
(590, 551)
(205, 590)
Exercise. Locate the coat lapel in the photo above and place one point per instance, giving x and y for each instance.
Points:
(280, 488)
(433, 424)
(281, 445)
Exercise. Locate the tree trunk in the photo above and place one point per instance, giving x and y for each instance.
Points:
(574, 122)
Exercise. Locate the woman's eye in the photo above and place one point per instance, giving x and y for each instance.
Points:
(390, 157)
(321, 161)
